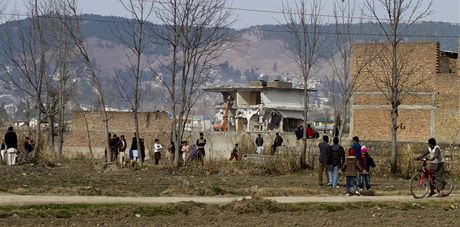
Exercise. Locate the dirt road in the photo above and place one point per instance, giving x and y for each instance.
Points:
(36, 200)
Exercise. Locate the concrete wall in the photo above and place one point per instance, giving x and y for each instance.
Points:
(284, 98)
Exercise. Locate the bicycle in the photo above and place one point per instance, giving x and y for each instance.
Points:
(422, 180)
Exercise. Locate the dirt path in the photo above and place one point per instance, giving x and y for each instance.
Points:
(35, 200)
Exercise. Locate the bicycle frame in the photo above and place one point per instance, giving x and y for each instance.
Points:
(425, 171)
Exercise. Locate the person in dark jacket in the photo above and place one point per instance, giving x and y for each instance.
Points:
(335, 161)
(357, 148)
(133, 151)
(276, 143)
(299, 132)
(351, 168)
(11, 142)
(142, 154)
(367, 162)
(259, 144)
(324, 151)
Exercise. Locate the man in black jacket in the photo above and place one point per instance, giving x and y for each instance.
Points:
(335, 160)
(324, 151)
(11, 141)
(259, 144)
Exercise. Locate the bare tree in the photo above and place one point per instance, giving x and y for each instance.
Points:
(302, 20)
(27, 59)
(395, 77)
(133, 36)
(342, 85)
(73, 30)
(196, 31)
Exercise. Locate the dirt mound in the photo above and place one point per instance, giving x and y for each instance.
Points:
(254, 205)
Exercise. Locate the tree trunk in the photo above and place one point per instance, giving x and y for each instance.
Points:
(394, 142)
(88, 136)
(303, 159)
(36, 152)
(51, 138)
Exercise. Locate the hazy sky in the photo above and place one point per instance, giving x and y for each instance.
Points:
(444, 10)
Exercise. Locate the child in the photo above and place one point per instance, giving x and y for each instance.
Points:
(234, 154)
(367, 163)
(185, 152)
(351, 167)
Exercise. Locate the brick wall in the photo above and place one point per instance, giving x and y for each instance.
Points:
(433, 108)
(152, 125)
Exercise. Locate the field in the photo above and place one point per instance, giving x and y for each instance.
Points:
(83, 177)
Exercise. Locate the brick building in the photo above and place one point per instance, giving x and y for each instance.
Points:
(432, 109)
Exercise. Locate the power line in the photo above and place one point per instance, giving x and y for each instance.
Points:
(307, 14)
(81, 18)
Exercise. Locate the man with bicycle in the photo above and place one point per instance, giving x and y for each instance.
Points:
(436, 165)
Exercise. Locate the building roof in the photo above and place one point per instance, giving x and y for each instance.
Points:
(250, 88)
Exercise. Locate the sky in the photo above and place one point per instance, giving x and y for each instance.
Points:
(444, 10)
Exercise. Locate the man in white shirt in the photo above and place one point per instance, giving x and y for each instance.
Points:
(157, 151)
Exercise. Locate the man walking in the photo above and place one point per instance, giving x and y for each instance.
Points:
(259, 144)
(324, 151)
(200, 143)
(11, 142)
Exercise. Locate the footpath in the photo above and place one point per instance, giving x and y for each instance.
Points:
(19, 200)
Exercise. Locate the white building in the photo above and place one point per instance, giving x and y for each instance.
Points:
(261, 106)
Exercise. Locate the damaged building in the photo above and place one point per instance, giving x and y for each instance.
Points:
(259, 106)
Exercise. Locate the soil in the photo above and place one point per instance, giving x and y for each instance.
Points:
(84, 178)
(254, 212)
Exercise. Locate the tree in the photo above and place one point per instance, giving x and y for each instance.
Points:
(395, 77)
(342, 84)
(72, 25)
(195, 31)
(133, 36)
(303, 23)
(28, 59)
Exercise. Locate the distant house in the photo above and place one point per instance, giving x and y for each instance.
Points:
(260, 106)
(324, 125)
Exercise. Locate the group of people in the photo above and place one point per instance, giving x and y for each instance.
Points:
(311, 134)
(356, 165)
(10, 151)
(189, 152)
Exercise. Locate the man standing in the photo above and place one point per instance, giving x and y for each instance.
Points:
(357, 148)
(259, 144)
(310, 132)
(278, 141)
(335, 161)
(157, 151)
(11, 141)
(200, 143)
(324, 151)
(299, 132)
(121, 153)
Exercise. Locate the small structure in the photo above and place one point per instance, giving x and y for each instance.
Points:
(324, 125)
(260, 106)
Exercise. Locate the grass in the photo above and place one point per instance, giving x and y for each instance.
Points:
(254, 206)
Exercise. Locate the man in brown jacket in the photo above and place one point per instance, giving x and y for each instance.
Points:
(351, 167)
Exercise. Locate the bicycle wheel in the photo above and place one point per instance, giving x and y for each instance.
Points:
(448, 184)
(419, 186)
